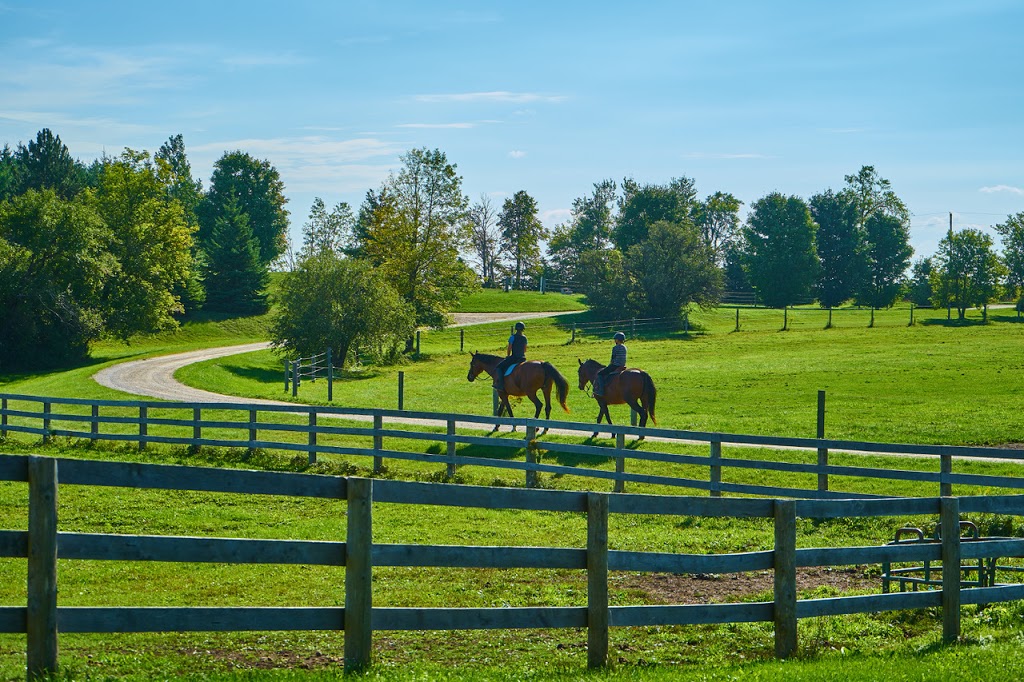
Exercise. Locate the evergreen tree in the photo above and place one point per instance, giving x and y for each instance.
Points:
(45, 163)
(236, 277)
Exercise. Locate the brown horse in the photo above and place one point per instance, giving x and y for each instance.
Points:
(526, 379)
(631, 386)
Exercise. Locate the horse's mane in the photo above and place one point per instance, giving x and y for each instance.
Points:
(487, 357)
(592, 363)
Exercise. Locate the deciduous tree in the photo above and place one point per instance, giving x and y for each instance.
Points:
(485, 241)
(412, 230)
(151, 241)
(589, 228)
(718, 218)
(966, 271)
(1012, 234)
(327, 230)
(640, 206)
(780, 257)
(521, 232)
(842, 247)
(330, 301)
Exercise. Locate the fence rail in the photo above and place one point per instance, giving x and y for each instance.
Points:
(42, 544)
(340, 431)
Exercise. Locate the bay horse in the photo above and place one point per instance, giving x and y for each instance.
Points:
(526, 379)
(631, 386)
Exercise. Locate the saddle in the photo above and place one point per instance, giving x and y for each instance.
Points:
(512, 367)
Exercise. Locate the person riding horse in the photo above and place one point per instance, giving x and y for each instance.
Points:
(515, 353)
(617, 364)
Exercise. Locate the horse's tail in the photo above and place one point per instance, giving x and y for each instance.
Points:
(650, 395)
(560, 383)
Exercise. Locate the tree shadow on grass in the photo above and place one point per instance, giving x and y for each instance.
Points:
(955, 322)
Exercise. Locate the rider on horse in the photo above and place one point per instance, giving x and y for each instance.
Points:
(617, 364)
(515, 353)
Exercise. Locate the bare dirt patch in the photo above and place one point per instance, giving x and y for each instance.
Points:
(710, 588)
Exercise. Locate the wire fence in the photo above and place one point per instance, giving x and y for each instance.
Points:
(319, 366)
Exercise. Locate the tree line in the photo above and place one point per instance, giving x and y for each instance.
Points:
(127, 245)
(133, 244)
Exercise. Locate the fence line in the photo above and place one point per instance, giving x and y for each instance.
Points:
(42, 543)
(151, 422)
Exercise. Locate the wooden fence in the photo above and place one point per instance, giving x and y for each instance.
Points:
(315, 430)
(42, 544)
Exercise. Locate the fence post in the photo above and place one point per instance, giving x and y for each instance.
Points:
(632, 328)
(785, 318)
(716, 467)
(401, 390)
(620, 462)
(495, 403)
(462, 340)
(312, 436)
(94, 424)
(737, 319)
(143, 426)
(945, 469)
(41, 614)
(378, 442)
(822, 452)
(417, 342)
(531, 455)
(46, 422)
(949, 511)
(286, 375)
(3, 418)
(295, 378)
(573, 339)
(197, 429)
(871, 324)
(686, 324)
(911, 315)
(359, 574)
(330, 377)
(829, 325)
(252, 430)
(597, 580)
(785, 578)
(451, 448)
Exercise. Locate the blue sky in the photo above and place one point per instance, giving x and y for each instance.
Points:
(547, 97)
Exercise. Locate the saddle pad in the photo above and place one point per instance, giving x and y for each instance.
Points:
(512, 368)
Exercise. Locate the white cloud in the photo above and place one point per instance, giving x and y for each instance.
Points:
(554, 216)
(494, 96)
(436, 125)
(517, 154)
(315, 163)
(1002, 188)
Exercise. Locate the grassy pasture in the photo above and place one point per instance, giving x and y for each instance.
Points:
(933, 382)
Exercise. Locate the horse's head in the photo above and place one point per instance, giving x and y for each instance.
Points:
(475, 367)
(586, 372)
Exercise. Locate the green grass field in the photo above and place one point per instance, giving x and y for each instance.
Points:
(932, 382)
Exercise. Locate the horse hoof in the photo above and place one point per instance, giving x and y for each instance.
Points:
(594, 434)
(544, 431)
(640, 438)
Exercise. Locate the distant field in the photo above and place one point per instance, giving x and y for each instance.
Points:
(498, 301)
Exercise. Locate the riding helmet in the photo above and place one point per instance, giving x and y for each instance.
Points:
(619, 336)
(520, 326)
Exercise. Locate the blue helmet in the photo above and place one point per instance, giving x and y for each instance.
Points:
(619, 336)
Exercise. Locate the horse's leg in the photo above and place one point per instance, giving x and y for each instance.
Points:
(547, 403)
(601, 413)
(536, 404)
(635, 405)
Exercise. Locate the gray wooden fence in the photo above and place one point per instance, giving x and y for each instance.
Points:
(42, 618)
(316, 430)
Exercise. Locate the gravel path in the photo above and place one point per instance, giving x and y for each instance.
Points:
(154, 377)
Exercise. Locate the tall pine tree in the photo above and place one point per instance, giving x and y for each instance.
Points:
(236, 277)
